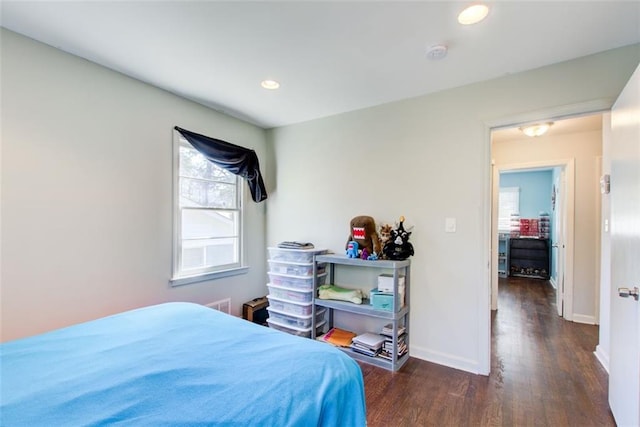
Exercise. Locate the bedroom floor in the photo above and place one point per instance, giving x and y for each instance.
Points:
(543, 372)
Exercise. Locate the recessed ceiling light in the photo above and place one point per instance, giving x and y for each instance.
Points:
(473, 14)
(538, 129)
(270, 84)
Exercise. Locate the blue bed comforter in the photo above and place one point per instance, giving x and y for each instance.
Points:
(177, 364)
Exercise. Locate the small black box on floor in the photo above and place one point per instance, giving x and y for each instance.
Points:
(256, 310)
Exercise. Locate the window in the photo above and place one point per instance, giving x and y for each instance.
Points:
(208, 217)
(508, 203)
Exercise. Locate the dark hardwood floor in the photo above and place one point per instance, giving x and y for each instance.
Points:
(543, 373)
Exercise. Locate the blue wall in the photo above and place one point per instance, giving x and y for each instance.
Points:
(535, 190)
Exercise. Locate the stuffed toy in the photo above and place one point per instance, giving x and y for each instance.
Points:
(398, 247)
(362, 230)
(352, 249)
(385, 236)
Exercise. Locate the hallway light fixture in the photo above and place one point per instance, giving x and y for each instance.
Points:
(538, 129)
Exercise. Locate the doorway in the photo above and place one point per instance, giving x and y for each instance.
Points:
(555, 199)
(570, 142)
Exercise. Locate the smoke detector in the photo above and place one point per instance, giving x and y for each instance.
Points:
(436, 52)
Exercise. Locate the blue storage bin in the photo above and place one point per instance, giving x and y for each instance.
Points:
(384, 301)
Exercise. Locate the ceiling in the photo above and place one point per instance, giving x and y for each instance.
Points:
(329, 56)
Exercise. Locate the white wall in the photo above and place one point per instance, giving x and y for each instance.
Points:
(87, 192)
(426, 158)
(585, 148)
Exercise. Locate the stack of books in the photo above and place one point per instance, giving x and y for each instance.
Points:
(368, 343)
(386, 352)
(387, 330)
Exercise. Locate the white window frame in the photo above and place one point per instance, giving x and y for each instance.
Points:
(507, 206)
(180, 277)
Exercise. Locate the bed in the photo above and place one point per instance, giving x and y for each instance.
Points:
(177, 364)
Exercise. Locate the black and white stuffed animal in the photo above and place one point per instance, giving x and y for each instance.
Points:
(398, 246)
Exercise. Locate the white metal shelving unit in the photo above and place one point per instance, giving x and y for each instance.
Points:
(398, 316)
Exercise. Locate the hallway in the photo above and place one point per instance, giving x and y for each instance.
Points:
(543, 372)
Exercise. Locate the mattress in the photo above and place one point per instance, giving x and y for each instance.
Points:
(177, 364)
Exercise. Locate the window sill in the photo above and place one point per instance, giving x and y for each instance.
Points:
(180, 281)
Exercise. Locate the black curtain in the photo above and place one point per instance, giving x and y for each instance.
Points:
(237, 160)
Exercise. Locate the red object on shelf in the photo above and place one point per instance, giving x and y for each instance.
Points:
(529, 227)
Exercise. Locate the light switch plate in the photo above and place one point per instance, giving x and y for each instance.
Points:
(450, 225)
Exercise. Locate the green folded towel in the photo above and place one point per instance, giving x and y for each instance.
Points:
(341, 294)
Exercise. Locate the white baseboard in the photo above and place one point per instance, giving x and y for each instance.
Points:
(602, 357)
(553, 282)
(581, 318)
(444, 359)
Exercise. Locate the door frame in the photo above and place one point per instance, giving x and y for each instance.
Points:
(559, 230)
(601, 105)
(567, 216)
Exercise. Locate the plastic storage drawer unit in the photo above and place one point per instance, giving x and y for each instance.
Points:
(302, 283)
(294, 268)
(290, 307)
(304, 256)
(293, 330)
(293, 320)
(289, 294)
